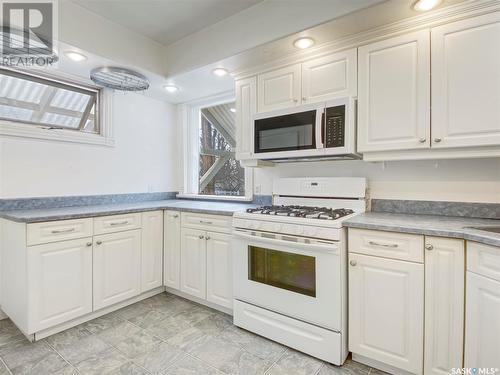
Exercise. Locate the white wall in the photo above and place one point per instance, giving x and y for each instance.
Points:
(143, 159)
(473, 180)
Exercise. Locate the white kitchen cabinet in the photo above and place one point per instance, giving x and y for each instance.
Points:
(466, 83)
(482, 325)
(279, 89)
(246, 107)
(59, 282)
(329, 77)
(151, 250)
(193, 262)
(219, 269)
(386, 307)
(117, 259)
(172, 250)
(444, 304)
(394, 93)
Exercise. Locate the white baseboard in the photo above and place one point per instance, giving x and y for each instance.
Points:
(199, 300)
(379, 365)
(2, 315)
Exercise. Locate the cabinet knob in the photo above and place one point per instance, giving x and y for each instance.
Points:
(304, 99)
(201, 237)
(98, 242)
(353, 263)
(429, 247)
(437, 140)
(207, 238)
(176, 216)
(295, 100)
(89, 243)
(422, 140)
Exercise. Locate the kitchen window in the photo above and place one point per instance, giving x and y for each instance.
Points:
(37, 106)
(212, 172)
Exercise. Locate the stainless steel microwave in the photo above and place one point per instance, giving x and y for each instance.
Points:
(321, 130)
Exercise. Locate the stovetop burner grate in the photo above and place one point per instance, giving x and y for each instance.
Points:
(323, 213)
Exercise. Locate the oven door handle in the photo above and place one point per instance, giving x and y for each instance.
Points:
(328, 247)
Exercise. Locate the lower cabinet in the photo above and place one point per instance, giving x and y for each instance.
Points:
(172, 250)
(116, 271)
(193, 262)
(482, 325)
(386, 306)
(219, 269)
(59, 282)
(151, 250)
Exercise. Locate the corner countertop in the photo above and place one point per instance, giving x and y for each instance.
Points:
(442, 226)
(64, 213)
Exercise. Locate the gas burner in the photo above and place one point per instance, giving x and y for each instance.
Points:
(323, 213)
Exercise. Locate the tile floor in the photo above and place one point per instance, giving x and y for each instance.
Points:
(164, 335)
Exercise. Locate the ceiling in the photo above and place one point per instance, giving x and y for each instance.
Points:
(166, 21)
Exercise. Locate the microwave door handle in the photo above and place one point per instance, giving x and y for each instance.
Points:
(320, 128)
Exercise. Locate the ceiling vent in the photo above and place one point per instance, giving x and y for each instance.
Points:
(119, 79)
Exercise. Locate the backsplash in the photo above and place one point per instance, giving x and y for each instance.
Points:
(441, 208)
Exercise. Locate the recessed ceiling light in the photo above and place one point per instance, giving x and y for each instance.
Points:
(171, 88)
(425, 5)
(232, 110)
(75, 56)
(304, 43)
(220, 72)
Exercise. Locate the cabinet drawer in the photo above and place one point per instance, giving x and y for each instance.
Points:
(484, 260)
(402, 246)
(116, 223)
(217, 223)
(52, 231)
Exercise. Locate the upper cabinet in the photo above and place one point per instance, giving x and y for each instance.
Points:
(246, 107)
(279, 89)
(394, 93)
(466, 83)
(329, 77)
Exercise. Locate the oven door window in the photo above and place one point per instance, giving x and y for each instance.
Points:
(289, 271)
(286, 133)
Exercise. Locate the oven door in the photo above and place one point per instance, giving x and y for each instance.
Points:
(300, 280)
(289, 133)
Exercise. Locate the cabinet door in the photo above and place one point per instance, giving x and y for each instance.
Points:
(59, 282)
(151, 250)
(386, 311)
(330, 77)
(444, 304)
(172, 250)
(117, 263)
(246, 107)
(279, 89)
(394, 93)
(482, 326)
(466, 83)
(219, 269)
(193, 262)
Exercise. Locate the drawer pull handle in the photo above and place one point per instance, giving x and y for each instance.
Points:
(176, 216)
(119, 223)
(207, 238)
(201, 237)
(391, 245)
(98, 242)
(89, 244)
(205, 222)
(353, 263)
(429, 247)
(60, 231)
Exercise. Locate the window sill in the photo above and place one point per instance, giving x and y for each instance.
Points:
(215, 197)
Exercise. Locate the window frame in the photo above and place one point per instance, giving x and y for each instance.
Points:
(24, 129)
(190, 118)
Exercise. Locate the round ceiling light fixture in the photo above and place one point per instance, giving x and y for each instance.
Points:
(220, 72)
(425, 5)
(118, 78)
(75, 56)
(171, 88)
(303, 43)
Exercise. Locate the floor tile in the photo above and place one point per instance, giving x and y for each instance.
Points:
(295, 363)
(148, 319)
(47, 364)
(132, 311)
(137, 344)
(158, 359)
(255, 344)
(9, 333)
(82, 349)
(128, 368)
(118, 333)
(168, 327)
(348, 368)
(374, 371)
(102, 323)
(66, 370)
(187, 365)
(193, 315)
(177, 305)
(230, 358)
(68, 337)
(189, 339)
(16, 354)
(158, 301)
(102, 363)
(3, 369)
(214, 324)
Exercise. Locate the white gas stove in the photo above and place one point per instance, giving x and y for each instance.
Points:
(289, 262)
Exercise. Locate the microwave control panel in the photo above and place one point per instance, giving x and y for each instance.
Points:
(335, 126)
